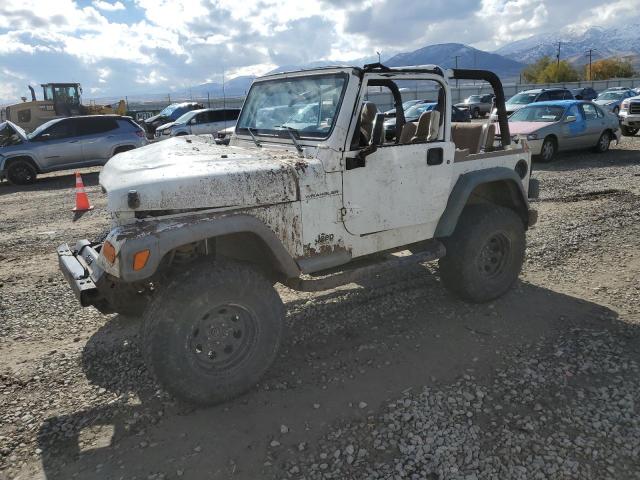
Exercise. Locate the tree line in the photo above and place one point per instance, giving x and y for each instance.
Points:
(548, 70)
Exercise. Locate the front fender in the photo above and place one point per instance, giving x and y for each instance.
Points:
(160, 237)
(464, 187)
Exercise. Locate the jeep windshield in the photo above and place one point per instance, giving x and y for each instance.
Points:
(308, 104)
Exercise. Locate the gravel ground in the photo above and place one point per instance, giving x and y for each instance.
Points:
(540, 384)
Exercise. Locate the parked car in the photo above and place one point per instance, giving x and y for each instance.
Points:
(584, 93)
(65, 143)
(630, 116)
(612, 99)
(412, 114)
(550, 127)
(224, 136)
(406, 105)
(478, 105)
(169, 114)
(197, 122)
(523, 99)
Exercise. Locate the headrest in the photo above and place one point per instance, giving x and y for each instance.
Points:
(369, 111)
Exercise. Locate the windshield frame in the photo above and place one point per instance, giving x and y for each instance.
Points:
(284, 133)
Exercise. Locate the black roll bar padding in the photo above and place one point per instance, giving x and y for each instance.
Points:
(397, 101)
(375, 66)
(494, 81)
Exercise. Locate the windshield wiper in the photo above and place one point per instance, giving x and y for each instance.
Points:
(292, 133)
(255, 140)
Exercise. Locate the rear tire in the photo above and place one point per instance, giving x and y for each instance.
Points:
(484, 254)
(213, 331)
(603, 142)
(628, 131)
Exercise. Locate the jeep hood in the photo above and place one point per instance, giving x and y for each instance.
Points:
(187, 173)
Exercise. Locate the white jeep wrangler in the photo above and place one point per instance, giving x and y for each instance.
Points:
(309, 193)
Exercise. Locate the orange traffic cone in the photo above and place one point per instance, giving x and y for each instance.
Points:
(82, 200)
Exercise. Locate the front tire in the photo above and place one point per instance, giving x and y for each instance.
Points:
(213, 331)
(21, 172)
(476, 113)
(628, 131)
(548, 150)
(484, 254)
(603, 142)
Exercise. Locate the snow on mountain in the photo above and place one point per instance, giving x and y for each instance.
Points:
(575, 42)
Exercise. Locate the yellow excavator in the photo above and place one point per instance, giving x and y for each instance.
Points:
(60, 100)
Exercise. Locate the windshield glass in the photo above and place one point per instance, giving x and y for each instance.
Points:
(9, 136)
(309, 104)
(473, 99)
(522, 98)
(42, 128)
(166, 111)
(610, 96)
(184, 118)
(536, 113)
(417, 110)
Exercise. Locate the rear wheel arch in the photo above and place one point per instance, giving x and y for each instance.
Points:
(499, 186)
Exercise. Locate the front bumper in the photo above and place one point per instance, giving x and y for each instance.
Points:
(632, 121)
(79, 266)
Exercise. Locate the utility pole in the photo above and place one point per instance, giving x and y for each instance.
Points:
(224, 97)
(558, 63)
(378, 53)
(590, 55)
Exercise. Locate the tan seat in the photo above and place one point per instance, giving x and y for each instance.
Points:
(408, 132)
(422, 129)
(467, 136)
(488, 136)
(367, 117)
(434, 126)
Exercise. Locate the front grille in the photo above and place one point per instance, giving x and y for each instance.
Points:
(634, 108)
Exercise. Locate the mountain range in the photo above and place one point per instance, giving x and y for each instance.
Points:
(620, 41)
(508, 61)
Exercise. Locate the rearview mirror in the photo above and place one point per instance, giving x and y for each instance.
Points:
(570, 119)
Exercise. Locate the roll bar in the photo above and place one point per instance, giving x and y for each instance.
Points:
(494, 81)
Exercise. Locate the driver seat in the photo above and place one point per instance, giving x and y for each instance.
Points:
(367, 117)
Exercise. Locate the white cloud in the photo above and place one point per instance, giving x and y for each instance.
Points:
(178, 43)
(107, 6)
(152, 78)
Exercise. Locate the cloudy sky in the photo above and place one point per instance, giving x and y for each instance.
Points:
(119, 47)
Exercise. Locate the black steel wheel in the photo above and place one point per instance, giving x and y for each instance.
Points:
(485, 253)
(212, 331)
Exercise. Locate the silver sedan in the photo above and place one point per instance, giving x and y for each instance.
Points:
(550, 127)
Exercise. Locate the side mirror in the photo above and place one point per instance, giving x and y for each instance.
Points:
(570, 119)
(44, 137)
(192, 121)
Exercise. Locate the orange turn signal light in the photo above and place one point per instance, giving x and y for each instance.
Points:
(140, 259)
(109, 252)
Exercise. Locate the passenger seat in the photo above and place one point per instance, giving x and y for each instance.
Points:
(468, 136)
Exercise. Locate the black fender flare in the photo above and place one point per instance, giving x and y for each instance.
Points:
(166, 237)
(467, 183)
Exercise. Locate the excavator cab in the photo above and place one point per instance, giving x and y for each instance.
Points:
(65, 98)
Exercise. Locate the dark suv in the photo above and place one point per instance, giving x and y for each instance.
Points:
(169, 114)
(523, 99)
(584, 93)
